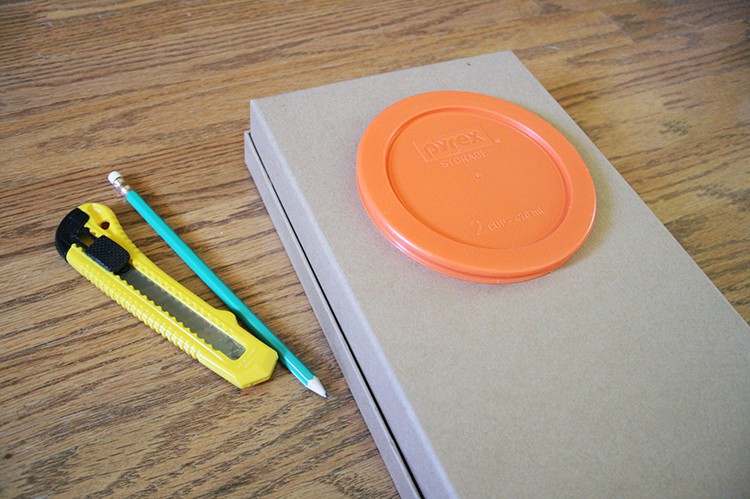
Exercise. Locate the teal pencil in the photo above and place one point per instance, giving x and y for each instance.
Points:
(246, 316)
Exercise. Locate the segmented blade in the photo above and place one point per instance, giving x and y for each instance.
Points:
(196, 323)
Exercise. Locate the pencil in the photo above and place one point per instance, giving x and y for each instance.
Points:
(246, 316)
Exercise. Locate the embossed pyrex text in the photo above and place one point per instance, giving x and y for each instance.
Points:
(457, 142)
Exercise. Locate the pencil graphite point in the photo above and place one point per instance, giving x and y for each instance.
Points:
(316, 386)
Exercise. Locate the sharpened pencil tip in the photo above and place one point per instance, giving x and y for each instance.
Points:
(316, 386)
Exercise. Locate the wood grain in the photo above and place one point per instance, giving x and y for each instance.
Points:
(94, 403)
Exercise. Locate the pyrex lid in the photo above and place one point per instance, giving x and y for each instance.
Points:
(475, 187)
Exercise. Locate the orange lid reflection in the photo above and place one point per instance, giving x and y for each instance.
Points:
(475, 187)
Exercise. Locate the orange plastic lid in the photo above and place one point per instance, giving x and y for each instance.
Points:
(475, 187)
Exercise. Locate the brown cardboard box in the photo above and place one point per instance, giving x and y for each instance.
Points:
(623, 373)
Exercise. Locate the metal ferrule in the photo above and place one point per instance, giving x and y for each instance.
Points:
(121, 186)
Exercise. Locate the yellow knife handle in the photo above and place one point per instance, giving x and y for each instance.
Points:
(93, 242)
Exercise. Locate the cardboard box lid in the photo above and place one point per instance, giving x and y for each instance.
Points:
(624, 371)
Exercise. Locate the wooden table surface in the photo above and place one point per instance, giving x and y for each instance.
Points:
(92, 402)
